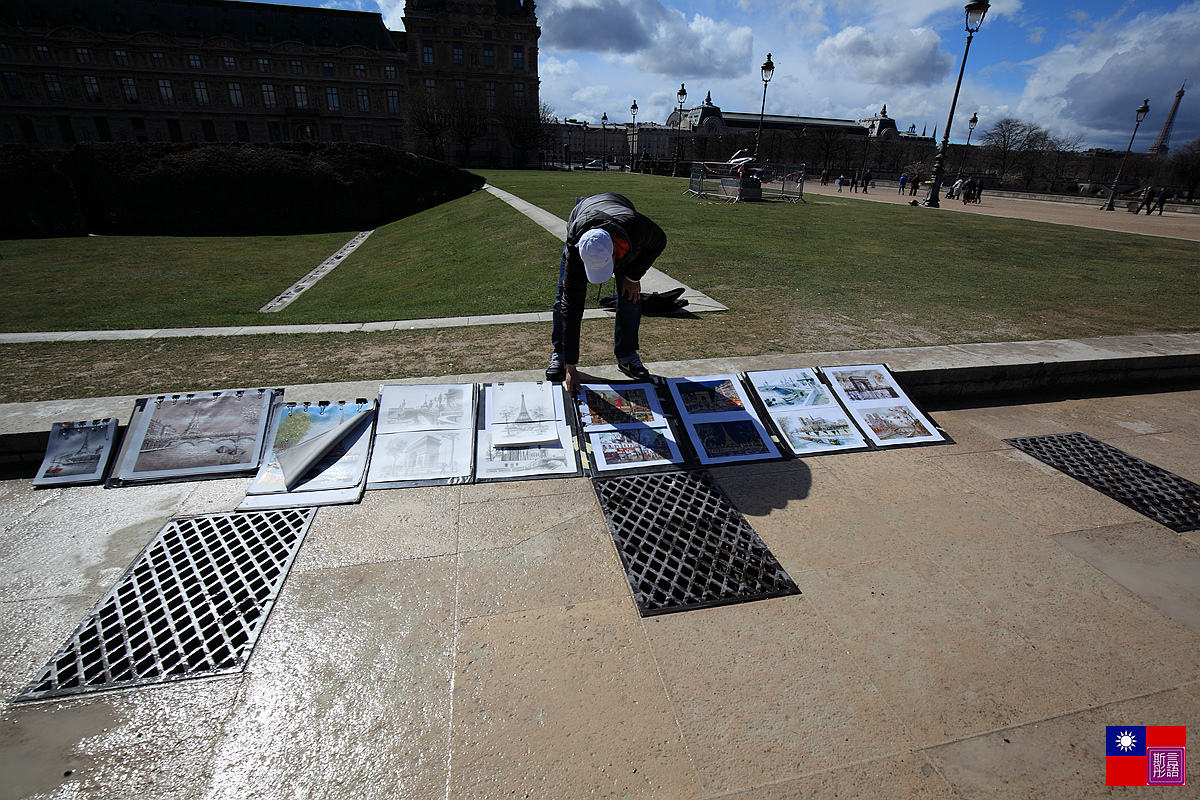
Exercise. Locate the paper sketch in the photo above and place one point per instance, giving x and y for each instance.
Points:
(429, 407)
(634, 447)
(730, 441)
(77, 452)
(420, 455)
(523, 413)
(698, 396)
(793, 388)
(604, 406)
(859, 384)
(498, 463)
(818, 431)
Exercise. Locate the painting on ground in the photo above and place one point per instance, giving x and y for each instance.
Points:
(524, 413)
(611, 406)
(634, 447)
(721, 422)
(425, 407)
(806, 414)
(880, 405)
(198, 434)
(77, 452)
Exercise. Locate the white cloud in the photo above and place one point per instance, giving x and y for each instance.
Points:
(908, 58)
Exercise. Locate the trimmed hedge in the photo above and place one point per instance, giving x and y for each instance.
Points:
(253, 188)
(37, 199)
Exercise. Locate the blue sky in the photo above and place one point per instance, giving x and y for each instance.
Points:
(1076, 68)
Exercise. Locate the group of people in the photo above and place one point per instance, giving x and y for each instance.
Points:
(969, 190)
(1151, 201)
(859, 177)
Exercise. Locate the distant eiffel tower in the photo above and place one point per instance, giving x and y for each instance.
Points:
(1161, 145)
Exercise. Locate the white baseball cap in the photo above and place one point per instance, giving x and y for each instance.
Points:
(596, 249)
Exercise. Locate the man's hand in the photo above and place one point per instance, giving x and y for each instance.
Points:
(631, 290)
(572, 380)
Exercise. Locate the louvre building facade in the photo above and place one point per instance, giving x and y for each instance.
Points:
(231, 71)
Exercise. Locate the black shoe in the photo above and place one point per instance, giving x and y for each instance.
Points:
(556, 372)
(632, 367)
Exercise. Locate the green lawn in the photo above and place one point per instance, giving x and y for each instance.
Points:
(832, 274)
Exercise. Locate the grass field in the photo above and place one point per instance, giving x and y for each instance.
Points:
(829, 274)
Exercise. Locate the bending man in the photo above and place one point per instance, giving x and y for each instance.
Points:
(606, 237)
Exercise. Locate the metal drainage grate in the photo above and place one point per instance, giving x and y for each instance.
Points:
(191, 605)
(684, 546)
(1163, 496)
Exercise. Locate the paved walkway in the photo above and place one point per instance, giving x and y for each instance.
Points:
(970, 621)
(1172, 225)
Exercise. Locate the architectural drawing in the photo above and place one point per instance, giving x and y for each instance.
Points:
(420, 456)
(524, 413)
(77, 452)
(604, 406)
(524, 461)
(425, 407)
(634, 447)
(895, 420)
(707, 396)
(793, 388)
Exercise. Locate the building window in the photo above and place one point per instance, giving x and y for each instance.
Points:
(518, 57)
(489, 95)
(7, 55)
(332, 99)
(243, 131)
(166, 93)
(517, 36)
(82, 55)
(201, 90)
(297, 67)
(12, 82)
(42, 52)
(335, 132)
(328, 69)
(53, 88)
(121, 57)
(129, 88)
(430, 88)
(397, 137)
(460, 93)
(367, 135)
(427, 53)
(264, 65)
(458, 54)
(194, 62)
(235, 97)
(364, 100)
(91, 87)
(301, 95)
(393, 101)
(230, 63)
(519, 94)
(489, 55)
(268, 93)
(360, 70)
(159, 59)
(389, 72)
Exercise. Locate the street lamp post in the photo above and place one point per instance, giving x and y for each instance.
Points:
(604, 141)
(768, 70)
(971, 123)
(633, 143)
(976, 9)
(1142, 111)
(681, 96)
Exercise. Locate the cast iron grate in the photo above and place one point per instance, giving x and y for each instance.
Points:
(191, 605)
(1163, 496)
(684, 545)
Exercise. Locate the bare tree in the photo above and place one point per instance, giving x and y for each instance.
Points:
(467, 119)
(427, 118)
(1185, 167)
(1005, 141)
(527, 130)
(1061, 163)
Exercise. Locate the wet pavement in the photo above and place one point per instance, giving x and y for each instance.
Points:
(969, 622)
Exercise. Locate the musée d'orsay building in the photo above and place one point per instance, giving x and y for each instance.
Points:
(232, 71)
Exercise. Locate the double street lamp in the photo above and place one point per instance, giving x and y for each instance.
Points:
(1141, 113)
(768, 70)
(976, 10)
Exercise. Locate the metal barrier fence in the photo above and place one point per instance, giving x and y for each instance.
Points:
(747, 181)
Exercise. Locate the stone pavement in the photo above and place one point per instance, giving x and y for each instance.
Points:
(970, 621)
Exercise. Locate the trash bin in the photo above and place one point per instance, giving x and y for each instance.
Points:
(750, 188)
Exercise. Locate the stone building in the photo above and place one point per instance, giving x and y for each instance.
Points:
(215, 70)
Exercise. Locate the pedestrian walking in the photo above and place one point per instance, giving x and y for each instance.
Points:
(854, 182)
(841, 182)
(1147, 201)
(824, 177)
(866, 180)
(903, 180)
(1160, 201)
